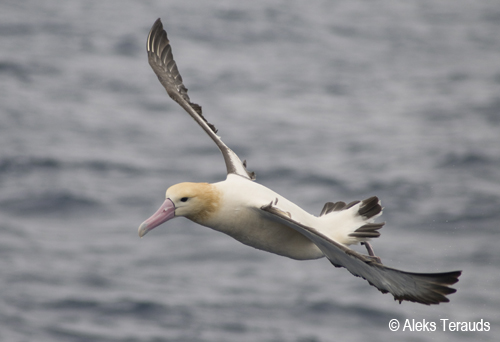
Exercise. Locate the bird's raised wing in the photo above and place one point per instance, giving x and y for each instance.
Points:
(425, 288)
(161, 60)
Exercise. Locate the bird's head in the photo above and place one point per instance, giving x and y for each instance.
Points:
(195, 201)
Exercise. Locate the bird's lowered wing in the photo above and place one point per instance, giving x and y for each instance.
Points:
(425, 288)
(161, 60)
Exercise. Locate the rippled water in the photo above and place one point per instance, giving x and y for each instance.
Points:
(328, 101)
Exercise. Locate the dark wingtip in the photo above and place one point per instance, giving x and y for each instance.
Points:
(435, 287)
(156, 26)
(163, 64)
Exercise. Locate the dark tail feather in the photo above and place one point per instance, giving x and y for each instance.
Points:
(370, 207)
(369, 230)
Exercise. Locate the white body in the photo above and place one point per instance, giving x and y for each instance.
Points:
(241, 217)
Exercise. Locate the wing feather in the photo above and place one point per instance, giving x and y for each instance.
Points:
(425, 288)
(162, 62)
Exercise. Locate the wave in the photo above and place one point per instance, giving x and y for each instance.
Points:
(142, 309)
(23, 164)
(470, 159)
(300, 176)
(371, 314)
(15, 69)
(48, 203)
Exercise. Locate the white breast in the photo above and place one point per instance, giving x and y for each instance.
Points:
(240, 216)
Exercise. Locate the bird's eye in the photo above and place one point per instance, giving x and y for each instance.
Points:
(184, 199)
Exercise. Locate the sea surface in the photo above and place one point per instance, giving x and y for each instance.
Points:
(326, 100)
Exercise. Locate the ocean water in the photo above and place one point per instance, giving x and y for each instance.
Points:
(326, 100)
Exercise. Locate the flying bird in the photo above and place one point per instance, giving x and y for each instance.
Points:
(258, 217)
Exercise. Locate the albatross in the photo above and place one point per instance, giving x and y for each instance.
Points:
(259, 217)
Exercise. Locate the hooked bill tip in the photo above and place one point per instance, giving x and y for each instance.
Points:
(143, 229)
(163, 214)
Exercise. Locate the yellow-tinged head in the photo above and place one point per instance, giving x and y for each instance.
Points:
(195, 201)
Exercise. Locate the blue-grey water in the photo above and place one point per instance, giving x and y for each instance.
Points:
(326, 100)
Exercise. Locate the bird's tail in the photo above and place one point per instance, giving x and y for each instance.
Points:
(352, 223)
